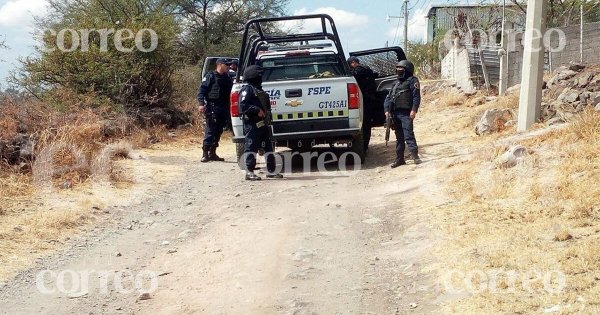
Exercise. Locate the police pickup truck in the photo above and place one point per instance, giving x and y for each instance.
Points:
(314, 98)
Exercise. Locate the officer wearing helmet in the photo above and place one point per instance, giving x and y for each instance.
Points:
(255, 108)
(402, 104)
(213, 102)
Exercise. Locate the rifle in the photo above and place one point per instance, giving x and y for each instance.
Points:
(388, 126)
(265, 102)
(389, 121)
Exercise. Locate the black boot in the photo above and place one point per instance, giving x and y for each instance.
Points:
(251, 176)
(274, 175)
(205, 157)
(212, 155)
(398, 162)
(415, 156)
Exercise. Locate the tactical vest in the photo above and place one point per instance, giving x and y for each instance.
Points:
(216, 93)
(401, 95)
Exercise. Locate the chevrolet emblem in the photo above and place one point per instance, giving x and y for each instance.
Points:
(294, 103)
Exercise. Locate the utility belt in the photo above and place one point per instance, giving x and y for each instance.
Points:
(215, 103)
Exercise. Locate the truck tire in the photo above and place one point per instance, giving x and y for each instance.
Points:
(239, 151)
(358, 147)
(306, 147)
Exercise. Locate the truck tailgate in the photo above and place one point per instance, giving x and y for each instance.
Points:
(309, 99)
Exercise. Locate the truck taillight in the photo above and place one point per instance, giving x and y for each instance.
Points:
(353, 96)
(234, 99)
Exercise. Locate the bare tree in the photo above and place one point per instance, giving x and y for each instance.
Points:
(566, 12)
(3, 45)
(215, 26)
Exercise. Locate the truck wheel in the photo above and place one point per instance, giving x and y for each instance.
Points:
(239, 151)
(358, 147)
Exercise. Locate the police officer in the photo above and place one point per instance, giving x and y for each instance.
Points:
(402, 104)
(213, 100)
(256, 112)
(365, 77)
(233, 69)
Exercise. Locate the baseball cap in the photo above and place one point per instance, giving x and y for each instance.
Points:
(352, 59)
(223, 61)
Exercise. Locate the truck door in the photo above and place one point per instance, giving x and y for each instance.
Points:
(383, 62)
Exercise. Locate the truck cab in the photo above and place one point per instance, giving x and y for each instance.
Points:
(314, 97)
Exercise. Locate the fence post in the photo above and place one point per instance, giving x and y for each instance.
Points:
(581, 33)
(530, 99)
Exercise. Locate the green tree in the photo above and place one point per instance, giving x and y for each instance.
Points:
(129, 79)
(426, 58)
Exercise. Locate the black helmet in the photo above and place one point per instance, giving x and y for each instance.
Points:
(253, 72)
(407, 65)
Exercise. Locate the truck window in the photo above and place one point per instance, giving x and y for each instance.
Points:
(300, 67)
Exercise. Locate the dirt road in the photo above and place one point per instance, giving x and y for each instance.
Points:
(211, 243)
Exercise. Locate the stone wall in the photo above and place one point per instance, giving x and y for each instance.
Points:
(571, 52)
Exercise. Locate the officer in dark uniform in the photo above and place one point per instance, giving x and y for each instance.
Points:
(213, 100)
(233, 66)
(365, 77)
(255, 108)
(233, 69)
(402, 104)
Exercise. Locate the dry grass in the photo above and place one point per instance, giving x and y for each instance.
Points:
(71, 145)
(542, 215)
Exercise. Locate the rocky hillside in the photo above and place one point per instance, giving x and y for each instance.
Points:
(569, 90)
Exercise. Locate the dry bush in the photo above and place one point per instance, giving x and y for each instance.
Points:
(66, 137)
(452, 98)
(186, 83)
(9, 122)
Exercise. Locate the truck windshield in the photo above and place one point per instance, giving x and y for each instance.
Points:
(300, 67)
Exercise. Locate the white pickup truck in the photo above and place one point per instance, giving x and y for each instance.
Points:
(314, 98)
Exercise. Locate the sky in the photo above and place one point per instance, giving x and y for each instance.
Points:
(361, 23)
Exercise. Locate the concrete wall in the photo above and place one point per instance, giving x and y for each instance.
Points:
(456, 67)
(515, 65)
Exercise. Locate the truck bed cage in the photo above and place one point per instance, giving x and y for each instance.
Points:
(255, 37)
(300, 47)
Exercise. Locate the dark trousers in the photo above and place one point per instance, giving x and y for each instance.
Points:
(404, 133)
(215, 121)
(366, 129)
(257, 138)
